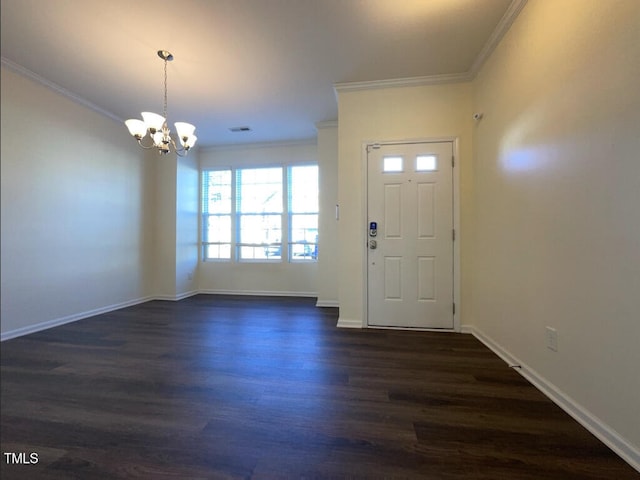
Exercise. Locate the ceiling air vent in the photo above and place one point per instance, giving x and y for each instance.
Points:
(240, 129)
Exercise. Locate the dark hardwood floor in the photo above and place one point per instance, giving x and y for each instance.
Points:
(222, 387)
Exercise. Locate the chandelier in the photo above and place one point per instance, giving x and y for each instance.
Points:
(156, 125)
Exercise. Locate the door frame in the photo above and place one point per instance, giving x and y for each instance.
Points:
(456, 225)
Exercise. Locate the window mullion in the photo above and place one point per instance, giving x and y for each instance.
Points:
(285, 234)
(234, 215)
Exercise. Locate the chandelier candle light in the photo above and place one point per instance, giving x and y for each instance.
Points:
(156, 125)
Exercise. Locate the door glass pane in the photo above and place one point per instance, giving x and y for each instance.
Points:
(426, 163)
(392, 164)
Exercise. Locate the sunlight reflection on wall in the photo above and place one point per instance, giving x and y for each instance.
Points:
(518, 150)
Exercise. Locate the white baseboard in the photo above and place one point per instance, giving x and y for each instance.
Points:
(327, 303)
(468, 329)
(56, 322)
(258, 293)
(349, 323)
(175, 298)
(591, 422)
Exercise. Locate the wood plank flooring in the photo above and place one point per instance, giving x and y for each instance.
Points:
(223, 387)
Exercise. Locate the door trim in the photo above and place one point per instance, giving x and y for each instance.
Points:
(456, 225)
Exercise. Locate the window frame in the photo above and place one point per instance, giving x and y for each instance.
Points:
(286, 241)
(291, 214)
(237, 215)
(204, 216)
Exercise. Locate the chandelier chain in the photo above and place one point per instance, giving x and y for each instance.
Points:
(164, 113)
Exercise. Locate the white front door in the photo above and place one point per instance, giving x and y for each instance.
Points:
(410, 255)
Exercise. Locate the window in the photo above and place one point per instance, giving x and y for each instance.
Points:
(247, 212)
(303, 212)
(259, 213)
(216, 214)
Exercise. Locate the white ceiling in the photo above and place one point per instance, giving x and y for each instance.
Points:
(267, 64)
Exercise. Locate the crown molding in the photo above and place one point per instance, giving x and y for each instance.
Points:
(512, 12)
(402, 82)
(327, 124)
(25, 72)
(501, 29)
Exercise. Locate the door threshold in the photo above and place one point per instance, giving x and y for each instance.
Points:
(413, 329)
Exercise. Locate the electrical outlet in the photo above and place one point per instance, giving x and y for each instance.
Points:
(552, 338)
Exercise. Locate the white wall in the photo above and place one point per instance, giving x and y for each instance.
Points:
(282, 278)
(74, 197)
(165, 226)
(557, 197)
(187, 207)
(328, 251)
(175, 254)
(386, 114)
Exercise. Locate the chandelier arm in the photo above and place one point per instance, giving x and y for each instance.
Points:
(145, 146)
(181, 152)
